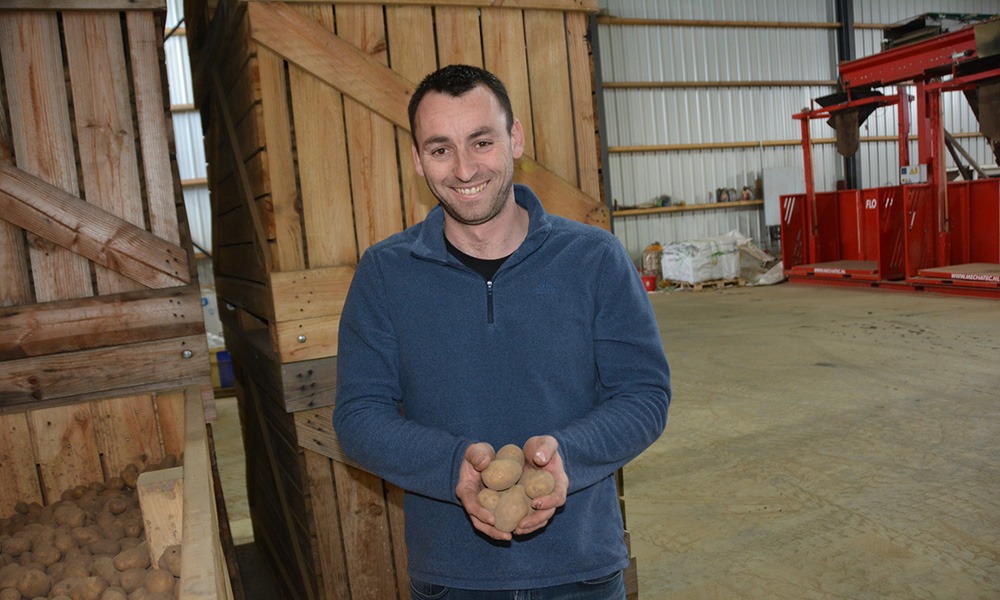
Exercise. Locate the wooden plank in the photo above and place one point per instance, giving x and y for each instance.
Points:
(505, 54)
(584, 110)
(251, 296)
(145, 43)
(458, 37)
(126, 432)
(374, 174)
(170, 417)
(42, 138)
(315, 433)
(64, 219)
(104, 372)
(18, 476)
(309, 383)
(15, 279)
(310, 293)
(366, 536)
(286, 252)
(239, 261)
(559, 196)
(397, 528)
(203, 571)
(60, 5)
(562, 5)
(307, 339)
(105, 138)
(65, 448)
(409, 28)
(324, 178)
(326, 526)
(552, 109)
(70, 325)
(161, 499)
(331, 58)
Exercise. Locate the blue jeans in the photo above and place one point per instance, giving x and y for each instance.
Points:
(611, 587)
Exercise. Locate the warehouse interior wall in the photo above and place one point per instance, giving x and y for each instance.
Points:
(699, 96)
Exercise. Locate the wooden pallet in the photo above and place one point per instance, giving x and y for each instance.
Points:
(717, 284)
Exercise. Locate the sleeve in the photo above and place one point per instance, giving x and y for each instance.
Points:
(367, 417)
(634, 378)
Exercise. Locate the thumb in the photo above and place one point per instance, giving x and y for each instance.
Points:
(540, 449)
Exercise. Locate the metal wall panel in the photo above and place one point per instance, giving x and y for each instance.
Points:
(189, 136)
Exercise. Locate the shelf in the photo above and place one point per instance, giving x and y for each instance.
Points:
(636, 212)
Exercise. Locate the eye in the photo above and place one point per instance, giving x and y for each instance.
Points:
(482, 144)
(439, 152)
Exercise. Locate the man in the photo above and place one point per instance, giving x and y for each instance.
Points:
(494, 323)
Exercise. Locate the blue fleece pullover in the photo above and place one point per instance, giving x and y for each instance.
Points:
(562, 341)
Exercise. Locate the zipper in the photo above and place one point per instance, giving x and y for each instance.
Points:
(489, 302)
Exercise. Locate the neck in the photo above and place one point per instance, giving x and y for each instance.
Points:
(497, 238)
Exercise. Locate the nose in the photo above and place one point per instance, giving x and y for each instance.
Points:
(465, 165)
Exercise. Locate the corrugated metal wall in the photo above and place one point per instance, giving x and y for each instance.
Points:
(705, 136)
(187, 130)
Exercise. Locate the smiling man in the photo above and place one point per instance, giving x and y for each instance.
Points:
(494, 323)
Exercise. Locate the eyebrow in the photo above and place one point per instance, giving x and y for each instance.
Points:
(441, 139)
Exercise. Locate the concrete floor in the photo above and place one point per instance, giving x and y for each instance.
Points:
(822, 443)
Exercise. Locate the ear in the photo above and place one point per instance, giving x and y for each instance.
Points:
(416, 159)
(517, 139)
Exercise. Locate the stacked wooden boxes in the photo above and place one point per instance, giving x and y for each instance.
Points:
(103, 356)
(304, 108)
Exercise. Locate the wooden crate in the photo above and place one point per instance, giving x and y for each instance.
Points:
(103, 352)
(304, 106)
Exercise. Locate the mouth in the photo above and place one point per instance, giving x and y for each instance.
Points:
(470, 191)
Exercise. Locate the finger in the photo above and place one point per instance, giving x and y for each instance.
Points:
(479, 455)
(534, 521)
(541, 449)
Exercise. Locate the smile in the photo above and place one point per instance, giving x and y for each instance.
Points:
(471, 191)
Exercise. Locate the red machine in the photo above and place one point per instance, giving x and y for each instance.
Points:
(934, 236)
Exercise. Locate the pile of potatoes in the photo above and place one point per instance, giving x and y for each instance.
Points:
(90, 545)
(511, 485)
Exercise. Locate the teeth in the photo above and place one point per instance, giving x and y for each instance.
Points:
(470, 191)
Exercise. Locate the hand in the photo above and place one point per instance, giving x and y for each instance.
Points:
(470, 481)
(543, 452)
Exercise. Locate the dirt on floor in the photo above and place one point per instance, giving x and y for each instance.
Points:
(823, 442)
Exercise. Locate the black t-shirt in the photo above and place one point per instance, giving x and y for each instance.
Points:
(487, 267)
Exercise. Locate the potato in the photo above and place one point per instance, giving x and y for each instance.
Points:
(512, 506)
(157, 596)
(34, 583)
(10, 575)
(63, 542)
(10, 594)
(118, 504)
(112, 531)
(114, 593)
(488, 498)
(132, 579)
(89, 588)
(501, 474)
(77, 567)
(129, 542)
(537, 483)
(70, 515)
(159, 580)
(16, 545)
(130, 476)
(85, 536)
(133, 558)
(105, 547)
(512, 452)
(47, 555)
(171, 560)
(64, 587)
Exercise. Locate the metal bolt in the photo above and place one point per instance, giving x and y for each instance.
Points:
(302, 339)
(187, 354)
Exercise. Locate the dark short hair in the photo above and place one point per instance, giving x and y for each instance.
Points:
(456, 80)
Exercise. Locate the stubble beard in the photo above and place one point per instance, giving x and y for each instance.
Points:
(495, 207)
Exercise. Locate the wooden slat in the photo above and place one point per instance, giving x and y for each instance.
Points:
(505, 55)
(42, 140)
(18, 478)
(409, 28)
(145, 42)
(126, 432)
(65, 448)
(326, 525)
(310, 292)
(170, 417)
(15, 279)
(559, 196)
(458, 38)
(251, 296)
(563, 5)
(373, 166)
(331, 58)
(54, 5)
(70, 325)
(397, 528)
(315, 432)
(366, 536)
(551, 106)
(203, 571)
(309, 383)
(239, 261)
(286, 252)
(93, 374)
(64, 219)
(322, 159)
(103, 111)
(307, 339)
(161, 500)
(584, 110)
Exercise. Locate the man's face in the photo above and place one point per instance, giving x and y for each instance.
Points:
(462, 148)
